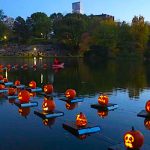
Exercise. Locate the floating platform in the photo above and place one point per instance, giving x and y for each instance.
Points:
(34, 90)
(75, 130)
(7, 83)
(20, 86)
(75, 100)
(4, 91)
(12, 96)
(30, 104)
(143, 114)
(110, 106)
(48, 115)
(122, 147)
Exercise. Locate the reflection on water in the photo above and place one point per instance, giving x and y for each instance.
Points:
(126, 83)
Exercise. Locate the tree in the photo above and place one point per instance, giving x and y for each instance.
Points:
(41, 24)
(20, 29)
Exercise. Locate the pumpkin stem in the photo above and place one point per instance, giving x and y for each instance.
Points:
(132, 128)
(80, 113)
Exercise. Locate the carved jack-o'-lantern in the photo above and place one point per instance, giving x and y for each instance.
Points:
(2, 87)
(133, 139)
(81, 120)
(147, 106)
(17, 83)
(11, 91)
(32, 84)
(49, 122)
(147, 123)
(24, 111)
(102, 113)
(103, 100)
(48, 88)
(1, 77)
(24, 96)
(70, 93)
(5, 80)
(48, 105)
(70, 106)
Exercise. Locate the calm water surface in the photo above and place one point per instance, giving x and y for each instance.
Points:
(126, 83)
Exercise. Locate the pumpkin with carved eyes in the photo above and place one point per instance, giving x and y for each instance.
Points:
(11, 91)
(48, 88)
(133, 139)
(70, 106)
(24, 111)
(32, 84)
(81, 120)
(48, 105)
(24, 96)
(2, 87)
(102, 113)
(70, 93)
(1, 77)
(147, 106)
(17, 83)
(103, 100)
(5, 80)
(147, 123)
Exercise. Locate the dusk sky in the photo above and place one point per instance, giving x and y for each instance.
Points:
(121, 9)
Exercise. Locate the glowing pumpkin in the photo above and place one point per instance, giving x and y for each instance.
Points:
(1, 77)
(147, 106)
(81, 120)
(11, 91)
(103, 100)
(133, 139)
(49, 122)
(24, 96)
(147, 123)
(17, 83)
(1, 66)
(102, 113)
(2, 87)
(24, 111)
(70, 106)
(48, 105)
(70, 93)
(5, 80)
(32, 84)
(48, 89)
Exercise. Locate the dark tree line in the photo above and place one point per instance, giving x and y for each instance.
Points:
(81, 34)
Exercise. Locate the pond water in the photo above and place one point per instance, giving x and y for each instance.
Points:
(126, 83)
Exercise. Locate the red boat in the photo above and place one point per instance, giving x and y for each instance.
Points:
(57, 66)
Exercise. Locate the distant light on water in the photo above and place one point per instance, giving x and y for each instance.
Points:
(34, 60)
(6, 74)
(41, 78)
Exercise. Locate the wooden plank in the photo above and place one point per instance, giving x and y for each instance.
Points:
(48, 115)
(110, 106)
(143, 114)
(30, 104)
(75, 100)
